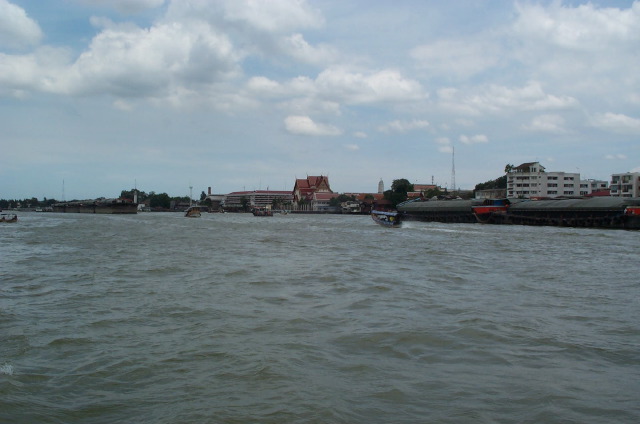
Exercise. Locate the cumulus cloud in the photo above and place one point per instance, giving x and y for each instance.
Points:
(297, 47)
(474, 139)
(585, 27)
(558, 42)
(546, 123)
(138, 62)
(404, 126)
(17, 30)
(616, 122)
(368, 87)
(495, 98)
(304, 125)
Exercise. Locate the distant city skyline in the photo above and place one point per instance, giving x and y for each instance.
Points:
(233, 94)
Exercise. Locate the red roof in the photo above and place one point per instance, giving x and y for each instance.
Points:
(324, 195)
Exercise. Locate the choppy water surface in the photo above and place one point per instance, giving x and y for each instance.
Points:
(156, 318)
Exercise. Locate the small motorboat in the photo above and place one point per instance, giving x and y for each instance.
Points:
(193, 212)
(386, 219)
(8, 217)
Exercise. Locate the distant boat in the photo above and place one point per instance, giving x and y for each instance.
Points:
(8, 217)
(193, 212)
(386, 219)
(262, 211)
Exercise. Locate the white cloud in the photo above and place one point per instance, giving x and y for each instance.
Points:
(17, 30)
(546, 123)
(297, 47)
(304, 125)
(368, 87)
(474, 139)
(352, 147)
(444, 145)
(587, 50)
(403, 126)
(132, 62)
(501, 99)
(360, 134)
(271, 16)
(585, 27)
(617, 123)
(460, 58)
(126, 6)
(618, 156)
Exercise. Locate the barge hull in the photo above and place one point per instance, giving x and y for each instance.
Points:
(603, 212)
(97, 208)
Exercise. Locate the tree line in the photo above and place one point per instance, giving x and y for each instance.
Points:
(397, 194)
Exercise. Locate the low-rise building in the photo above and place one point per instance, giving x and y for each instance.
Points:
(625, 185)
(531, 180)
(588, 187)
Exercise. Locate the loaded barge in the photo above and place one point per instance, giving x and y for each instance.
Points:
(101, 206)
(595, 212)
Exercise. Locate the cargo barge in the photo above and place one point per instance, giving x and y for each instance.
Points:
(99, 206)
(595, 212)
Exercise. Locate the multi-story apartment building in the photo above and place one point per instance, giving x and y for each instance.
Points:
(593, 186)
(256, 198)
(626, 184)
(530, 180)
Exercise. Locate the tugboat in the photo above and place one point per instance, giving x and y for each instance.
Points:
(490, 209)
(386, 219)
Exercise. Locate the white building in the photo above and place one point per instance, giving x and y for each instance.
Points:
(256, 198)
(531, 180)
(591, 186)
(626, 184)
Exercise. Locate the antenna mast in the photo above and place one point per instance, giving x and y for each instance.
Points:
(453, 169)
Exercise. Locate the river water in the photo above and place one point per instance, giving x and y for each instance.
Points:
(231, 318)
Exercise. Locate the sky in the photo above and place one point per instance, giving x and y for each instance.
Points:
(100, 96)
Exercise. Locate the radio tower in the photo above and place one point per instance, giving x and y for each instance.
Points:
(453, 169)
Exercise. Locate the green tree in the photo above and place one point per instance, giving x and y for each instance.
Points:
(335, 201)
(401, 186)
(498, 183)
(161, 200)
(432, 192)
(508, 168)
(244, 201)
(398, 192)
